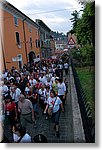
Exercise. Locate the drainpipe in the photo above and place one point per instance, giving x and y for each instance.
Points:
(25, 40)
(3, 50)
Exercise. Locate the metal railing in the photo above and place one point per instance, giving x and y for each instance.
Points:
(86, 114)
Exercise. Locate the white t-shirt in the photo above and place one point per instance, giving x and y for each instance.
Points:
(42, 93)
(43, 79)
(66, 65)
(26, 138)
(4, 89)
(33, 82)
(60, 66)
(61, 88)
(15, 95)
(49, 84)
(53, 79)
(55, 103)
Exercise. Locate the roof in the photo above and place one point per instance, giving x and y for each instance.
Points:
(43, 25)
(5, 4)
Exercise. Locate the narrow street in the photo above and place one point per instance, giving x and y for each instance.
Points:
(71, 129)
(45, 127)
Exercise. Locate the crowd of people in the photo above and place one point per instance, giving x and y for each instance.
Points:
(39, 85)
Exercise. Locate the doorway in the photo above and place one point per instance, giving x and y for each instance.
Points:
(31, 57)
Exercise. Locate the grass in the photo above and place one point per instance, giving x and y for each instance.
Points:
(87, 80)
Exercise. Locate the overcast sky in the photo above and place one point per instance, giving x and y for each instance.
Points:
(55, 14)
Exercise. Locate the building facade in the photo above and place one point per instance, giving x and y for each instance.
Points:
(19, 37)
(60, 45)
(45, 39)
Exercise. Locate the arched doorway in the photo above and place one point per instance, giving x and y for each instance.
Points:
(31, 56)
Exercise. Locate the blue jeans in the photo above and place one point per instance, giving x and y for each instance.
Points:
(35, 106)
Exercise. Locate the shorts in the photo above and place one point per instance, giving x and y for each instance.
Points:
(55, 117)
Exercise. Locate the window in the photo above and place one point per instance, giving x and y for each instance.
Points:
(30, 42)
(30, 30)
(18, 39)
(20, 60)
(16, 21)
(37, 43)
(29, 27)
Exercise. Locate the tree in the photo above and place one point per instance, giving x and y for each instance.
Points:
(84, 28)
(75, 18)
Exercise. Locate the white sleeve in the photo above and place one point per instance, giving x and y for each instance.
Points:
(15, 137)
(64, 87)
(26, 139)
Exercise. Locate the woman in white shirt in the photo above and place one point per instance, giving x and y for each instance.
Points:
(62, 91)
(55, 103)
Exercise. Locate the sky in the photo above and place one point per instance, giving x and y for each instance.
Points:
(55, 14)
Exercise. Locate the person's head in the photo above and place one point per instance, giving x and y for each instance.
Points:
(41, 75)
(13, 88)
(20, 130)
(52, 94)
(47, 88)
(42, 87)
(27, 84)
(54, 74)
(60, 80)
(9, 74)
(8, 99)
(21, 97)
(57, 79)
(1, 83)
(31, 77)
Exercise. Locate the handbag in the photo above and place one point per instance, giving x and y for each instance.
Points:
(50, 111)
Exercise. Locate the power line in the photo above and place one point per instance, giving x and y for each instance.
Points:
(43, 12)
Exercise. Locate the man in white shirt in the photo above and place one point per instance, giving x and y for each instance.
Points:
(66, 67)
(4, 89)
(42, 78)
(15, 93)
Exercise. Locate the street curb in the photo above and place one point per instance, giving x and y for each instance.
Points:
(79, 136)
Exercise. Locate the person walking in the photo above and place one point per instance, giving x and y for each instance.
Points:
(25, 108)
(54, 103)
(62, 91)
(66, 66)
(20, 135)
(10, 110)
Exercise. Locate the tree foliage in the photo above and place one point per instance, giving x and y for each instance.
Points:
(75, 15)
(84, 28)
